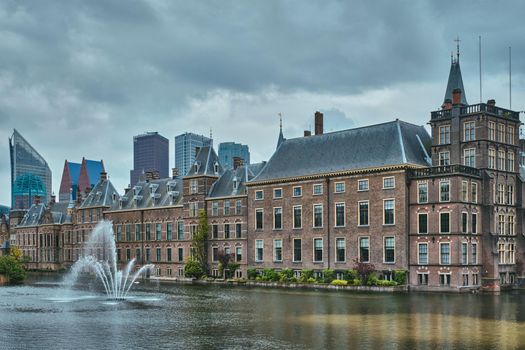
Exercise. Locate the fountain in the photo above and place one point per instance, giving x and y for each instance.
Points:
(100, 256)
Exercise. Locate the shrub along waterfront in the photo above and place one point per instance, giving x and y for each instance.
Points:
(11, 267)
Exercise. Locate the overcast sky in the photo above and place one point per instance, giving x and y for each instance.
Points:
(80, 78)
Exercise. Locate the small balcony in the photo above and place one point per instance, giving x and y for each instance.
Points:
(444, 170)
(477, 109)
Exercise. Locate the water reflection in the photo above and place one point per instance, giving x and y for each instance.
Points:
(196, 317)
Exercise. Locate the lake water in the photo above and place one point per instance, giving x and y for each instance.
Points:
(44, 315)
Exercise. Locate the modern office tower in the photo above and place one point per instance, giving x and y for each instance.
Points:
(79, 178)
(186, 148)
(30, 174)
(228, 151)
(150, 153)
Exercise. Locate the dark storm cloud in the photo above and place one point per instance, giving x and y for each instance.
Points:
(79, 78)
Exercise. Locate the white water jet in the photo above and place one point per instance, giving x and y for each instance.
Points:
(99, 255)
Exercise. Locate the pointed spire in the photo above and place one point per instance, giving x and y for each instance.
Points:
(455, 80)
(281, 137)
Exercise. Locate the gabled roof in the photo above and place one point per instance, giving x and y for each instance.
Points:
(388, 144)
(103, 194)
(152, 193)
(74, 171)
(455, 81)
(33, 216)
(206, 163)
(224, 186)
(54, 213)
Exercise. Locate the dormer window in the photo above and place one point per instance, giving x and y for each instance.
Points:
(216, 168)
(235, 183)
(196, 166)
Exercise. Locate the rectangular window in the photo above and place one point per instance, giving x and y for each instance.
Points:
(159, 252)
(464, 191)
(277, 218)
(238, 254)
(500, 196)
(510, 225)
(422, 192)
(501, 224)
(474, 253)
(169, 231)
(259, 219)
(492, 131)
(510, 195)
(464, 253)
(339, 187)
(444, 191)
(297, 250)
(194, 208)
(278, 250)
(318, 215)
(180, 230)
(215, 254)
(119, 233)
(501, 160)
(259, 195)
(180, 253)
(501, 132)
(422, 253)
(318, 189)
(297, 191)
(444, 253)
(444, 222)
(168, 254)
(148, 254)
(364, 249)
(444, 134)
(238, 207)
(238, 230)
(464, 222)
(389, 212)
(194, 186)
(215, 231)
(226, 207)
(148, 232)
(469, 157)
(297, 216)
(363, 213)
(389, 182)
(474, 223)
(259, 250)
(510, 135)
(510, 161)
(339, 214)
(128, 254)
(318, 249)
(501, 253)
(362, 185)
(469, 131)
(158, 232)
(422, 278)
(444, 279)
(389, 250)
(340, 250)
(474, 192)
(277, 193)
(444, 158)
(422, 219)
(226, 231)
(128, 232)
(492, 158)
(215, 208)
(511, 254)
(137, 254)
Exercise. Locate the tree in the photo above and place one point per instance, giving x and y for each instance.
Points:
(227, 264)
(193, 268)
(199, 240)
(12, 268)
(364, 270)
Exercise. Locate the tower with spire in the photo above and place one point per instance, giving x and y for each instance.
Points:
(455, 80)
(281, 138)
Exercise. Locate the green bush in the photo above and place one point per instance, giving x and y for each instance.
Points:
(339, 283)
(193, 269)
(351, 275)
(400, 276)
(286, 275)
(252, 273)
(270, 275)
(372, 279)
(311, 280)
(386, 283)
(356, 282)
(328, 275)
(12, 269)
(306, 274)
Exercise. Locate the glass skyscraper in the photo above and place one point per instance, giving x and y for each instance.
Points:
(150, 153)
(30, 174)
(186, 146)
(229, 150)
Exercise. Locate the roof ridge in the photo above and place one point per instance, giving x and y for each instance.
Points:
(401, 143)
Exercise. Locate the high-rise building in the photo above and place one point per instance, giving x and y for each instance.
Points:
(186, 148)
(230, 150)
(30, 174)
(150, 153)
(79, 178)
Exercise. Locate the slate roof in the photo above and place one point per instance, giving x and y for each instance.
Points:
(224, 186)
(102, 195)
(388, 144)
(455, 81)
(35, 215)
(152, 193)
(206, 162)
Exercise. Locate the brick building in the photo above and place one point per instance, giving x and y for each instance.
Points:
(445, 207)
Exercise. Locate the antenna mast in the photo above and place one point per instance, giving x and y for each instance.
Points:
(510, 77)
(480, 81)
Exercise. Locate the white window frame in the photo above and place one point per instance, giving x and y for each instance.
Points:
(367, 185)
(418, 192)
(472, 216)
(274, 250)
(449, 216)
(314, 186)
(464, 262)
(339, 183)
(474, 185)
(359, 249)
(464, 214)
(359, 213)
(300, 189)
(335, 214)
(421, 233)
(293, 217)
(441, 157)
(449, 191)
(474, 261)
(262, 195)
(394, 182)
(445, 133)
(384, 200)
(335, 250)
(468, 126)
(282, 224)
(418, 255)
(313, 215)
(469, 150)
(293, 250)
(449, 253)
(255, 245)
(313, 249)
(384, 248)
(255, 218)
(274, 193)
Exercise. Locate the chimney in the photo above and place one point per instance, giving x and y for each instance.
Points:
(53, 199)
(491, 102)
(152, 175)
(103, 175)
(36, 200)
(237, 162)
(174, 172)
(318, 123)
(307, 133)
(456, 97)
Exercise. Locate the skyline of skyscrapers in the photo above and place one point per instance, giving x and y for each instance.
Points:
(30, 173)
(77, 177)
(150, 153)
(186, 146)
(229, 150)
